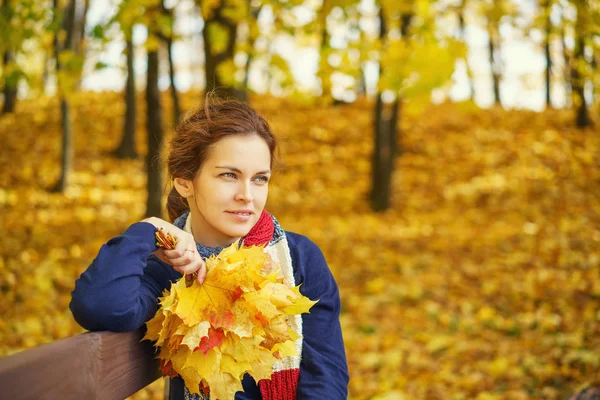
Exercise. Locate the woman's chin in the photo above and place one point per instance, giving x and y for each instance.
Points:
(236, 233)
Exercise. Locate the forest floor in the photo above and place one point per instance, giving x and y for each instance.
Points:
(482, 281)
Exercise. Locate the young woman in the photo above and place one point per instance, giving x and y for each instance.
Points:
(220, 160)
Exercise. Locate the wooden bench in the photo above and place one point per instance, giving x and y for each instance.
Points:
(93, 365)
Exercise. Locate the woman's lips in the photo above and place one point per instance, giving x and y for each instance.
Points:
(240, 216)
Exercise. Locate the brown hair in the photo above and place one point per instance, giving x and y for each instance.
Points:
(200, 129)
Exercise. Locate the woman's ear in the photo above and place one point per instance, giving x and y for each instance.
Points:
(184, 187)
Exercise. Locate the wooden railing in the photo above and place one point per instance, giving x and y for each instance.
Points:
(92, 365)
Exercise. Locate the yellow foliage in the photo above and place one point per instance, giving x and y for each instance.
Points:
(219, 38)
(228, 73)
(207, 8)
(481, 280)
(211, 334)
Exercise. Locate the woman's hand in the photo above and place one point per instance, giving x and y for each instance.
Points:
(184, 257)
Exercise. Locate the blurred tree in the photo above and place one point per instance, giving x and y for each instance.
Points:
(128, 15)
(493, 30)
(579, 65)
(496, 12)
(69, 65)
(542, 22)
(167, 35)
(324, 71)
(8, 62)
(386, 121)
(154, 128)
(126, 148)
(345, 56)
(408, 42)
(221, 19)
(566, 57)
(275, 69)
(19, 21)
(459, 9)
(546, 8)
(10, 84)
(254, 11)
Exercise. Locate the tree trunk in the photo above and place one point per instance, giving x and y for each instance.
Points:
(361, 87)
(382, 165)
(82, 20)
(385, 152)
(65, 108)
(10, 84)
(594, 65)
(126, 148)
(548, 55)
(463, 35)
(67, 147)
(214, 59)
(79, 34)
(578, 84)
(493, 65)
(324, 72)
(361, 81)
(154, 132)
(168, 40)
(10, 87)
(254, 13)
(46, 71)
(245, 89)
(174, 94)
(567, 68)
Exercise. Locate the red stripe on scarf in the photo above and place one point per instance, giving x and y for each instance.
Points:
(282, 385)
(262, 232)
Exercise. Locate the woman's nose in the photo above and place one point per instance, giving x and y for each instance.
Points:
(245, 193)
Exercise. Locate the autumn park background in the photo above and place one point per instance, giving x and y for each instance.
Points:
(463, 228)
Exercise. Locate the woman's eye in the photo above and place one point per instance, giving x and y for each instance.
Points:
(229, 175)
(262, 179)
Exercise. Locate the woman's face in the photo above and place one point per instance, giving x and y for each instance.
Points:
(230, 189)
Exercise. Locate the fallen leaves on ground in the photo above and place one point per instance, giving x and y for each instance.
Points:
(481, 281)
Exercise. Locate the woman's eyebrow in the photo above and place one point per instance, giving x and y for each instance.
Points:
(239, 171)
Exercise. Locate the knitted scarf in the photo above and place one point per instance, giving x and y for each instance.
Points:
(266, 231)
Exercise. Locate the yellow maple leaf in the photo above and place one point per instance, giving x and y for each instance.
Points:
(243, 323)
(202, 364)
(154, 327)
(301, 305)
(236, 368)
(223, 385)
(195, 334)
(262, 303)
(285, 349)
(276, 332)
(280, 294)
(249, 350)
(204, 302)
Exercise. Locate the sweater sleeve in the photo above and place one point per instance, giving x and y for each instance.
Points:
(323, 368)
(119, 291)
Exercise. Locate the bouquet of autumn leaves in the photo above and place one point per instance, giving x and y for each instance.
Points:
(234, 323)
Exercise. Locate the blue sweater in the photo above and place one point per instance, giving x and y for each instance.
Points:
(119, 292)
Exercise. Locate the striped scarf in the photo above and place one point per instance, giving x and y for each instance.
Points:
(286, 372)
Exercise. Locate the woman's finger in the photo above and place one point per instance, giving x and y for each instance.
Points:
(201, 273)
(183, 246)
(175, 253)
(161, 255)
(182, 261)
